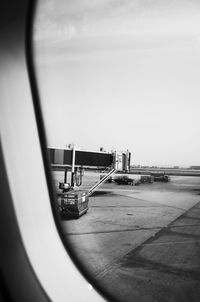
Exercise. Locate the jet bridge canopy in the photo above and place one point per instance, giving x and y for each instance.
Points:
(82, 158)
(79, 158)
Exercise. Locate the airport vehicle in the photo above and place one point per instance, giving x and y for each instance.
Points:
(146, 179)
(74, 204)
(160, 177)
(124, 180)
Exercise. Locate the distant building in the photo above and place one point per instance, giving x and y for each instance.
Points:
(195, 167)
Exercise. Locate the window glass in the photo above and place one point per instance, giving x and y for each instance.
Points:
(118, 75)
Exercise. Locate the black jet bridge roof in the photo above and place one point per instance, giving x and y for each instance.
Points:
(63, 157)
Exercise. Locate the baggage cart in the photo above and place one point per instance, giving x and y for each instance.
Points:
(73, 204)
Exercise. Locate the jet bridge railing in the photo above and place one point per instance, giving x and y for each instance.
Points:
(101, 181)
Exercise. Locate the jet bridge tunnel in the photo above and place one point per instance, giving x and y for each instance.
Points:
(74, 161)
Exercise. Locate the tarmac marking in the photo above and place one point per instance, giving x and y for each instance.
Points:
(133, 229)
(182, 234)
(142, 262)
(157, 202)
(190, 217)
(171, 242)
(116, 206)
(116, 231)
(145, 200)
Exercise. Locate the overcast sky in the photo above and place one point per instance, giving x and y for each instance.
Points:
(122, 75)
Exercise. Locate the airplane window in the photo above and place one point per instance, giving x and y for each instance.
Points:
(119, 92)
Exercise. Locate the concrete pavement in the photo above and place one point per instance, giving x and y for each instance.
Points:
(141, 243)
(165, 267)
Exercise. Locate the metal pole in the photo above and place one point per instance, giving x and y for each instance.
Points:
(73, 166)
(65, 176)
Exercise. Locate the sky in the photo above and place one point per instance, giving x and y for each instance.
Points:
(121, 75)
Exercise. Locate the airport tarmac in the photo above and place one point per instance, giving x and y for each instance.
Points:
(142, 243)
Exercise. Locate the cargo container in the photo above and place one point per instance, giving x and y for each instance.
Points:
(73, 204)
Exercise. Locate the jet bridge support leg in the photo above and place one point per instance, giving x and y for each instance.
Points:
(65, 176)
(73, 167)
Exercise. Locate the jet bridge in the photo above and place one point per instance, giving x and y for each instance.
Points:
(73, 202)
(75, 161)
